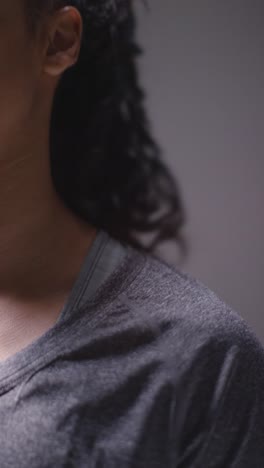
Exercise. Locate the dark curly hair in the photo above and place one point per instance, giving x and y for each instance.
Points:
(105, 164)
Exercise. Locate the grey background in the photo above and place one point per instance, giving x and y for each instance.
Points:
(203, 72)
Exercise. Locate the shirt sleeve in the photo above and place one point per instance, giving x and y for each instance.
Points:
(221, 420)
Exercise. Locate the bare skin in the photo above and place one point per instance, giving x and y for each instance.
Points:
(42, 243)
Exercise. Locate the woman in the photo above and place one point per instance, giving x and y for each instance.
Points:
(110, 357)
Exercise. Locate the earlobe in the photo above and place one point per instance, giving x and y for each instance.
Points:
(58, 65)
(58, 60)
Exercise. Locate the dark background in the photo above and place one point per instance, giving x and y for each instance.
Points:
(203, 70)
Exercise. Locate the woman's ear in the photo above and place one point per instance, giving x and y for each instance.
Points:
(65, 30)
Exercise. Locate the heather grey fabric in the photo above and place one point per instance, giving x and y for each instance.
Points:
(146, 367)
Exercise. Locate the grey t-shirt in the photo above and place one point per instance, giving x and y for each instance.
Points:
(145, 367)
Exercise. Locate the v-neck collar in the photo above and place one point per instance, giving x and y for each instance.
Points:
(46, 347)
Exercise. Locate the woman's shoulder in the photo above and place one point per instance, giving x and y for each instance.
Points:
(186, 311)
(212, 366)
